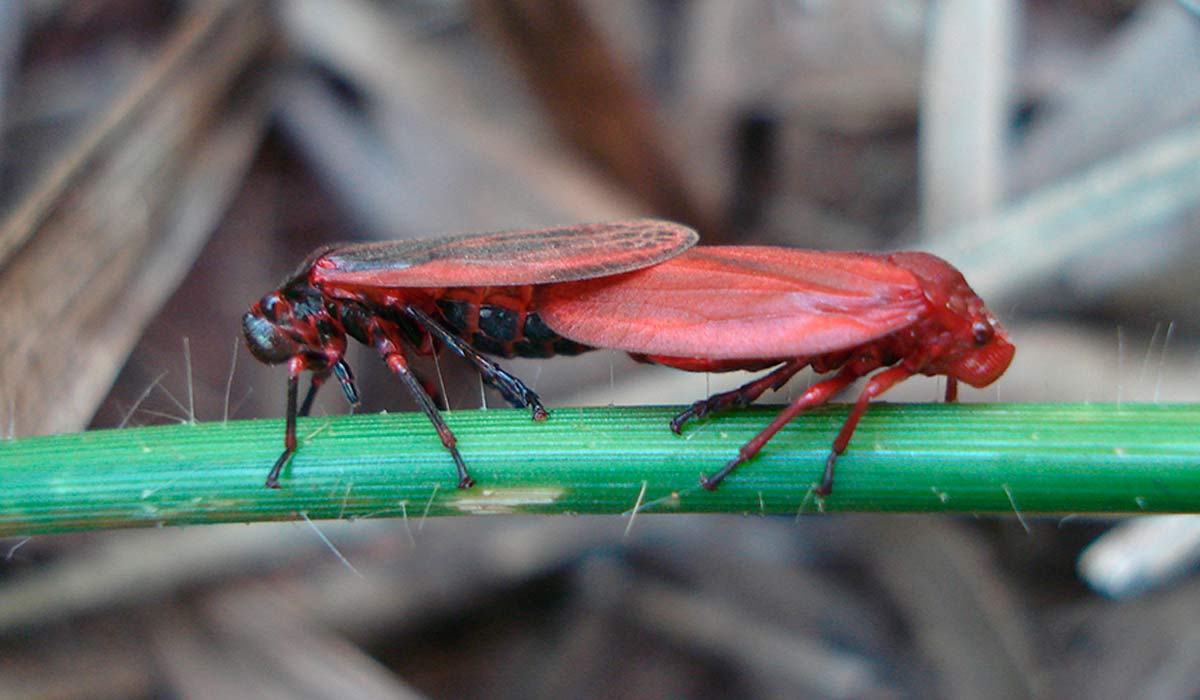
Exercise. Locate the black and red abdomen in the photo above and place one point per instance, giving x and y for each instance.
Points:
(494, 320)
(499, 321)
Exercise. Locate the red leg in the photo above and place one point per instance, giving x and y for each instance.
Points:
(951, 390)
(816, 395)
(395, 362)
(739, 397)
(875, 386)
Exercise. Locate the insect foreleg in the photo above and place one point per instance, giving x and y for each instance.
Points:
(289, 435)
(875, 386)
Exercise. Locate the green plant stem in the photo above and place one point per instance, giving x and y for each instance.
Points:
(1029, 458)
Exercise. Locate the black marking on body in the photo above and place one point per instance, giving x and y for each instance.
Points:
(498, 323)
(537, 332)
(325, 326)
(562, 346)
(457, 313)
(524, 348)
(487, 345)
(503, 328)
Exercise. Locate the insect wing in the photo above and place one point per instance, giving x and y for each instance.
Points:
(742, 302)
(537, 256)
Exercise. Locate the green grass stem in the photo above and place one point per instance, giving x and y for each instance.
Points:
(967, 458)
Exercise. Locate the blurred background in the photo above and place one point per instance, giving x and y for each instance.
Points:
(164, 164)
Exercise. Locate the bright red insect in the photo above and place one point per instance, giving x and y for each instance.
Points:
(717, 309)
(631, 286)
(470, 293)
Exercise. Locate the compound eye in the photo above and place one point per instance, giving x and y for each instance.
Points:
(266, 340)
(271, 306)
(982, 332)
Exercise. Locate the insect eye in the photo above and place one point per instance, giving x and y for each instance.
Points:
(270, 306)
(983, 333)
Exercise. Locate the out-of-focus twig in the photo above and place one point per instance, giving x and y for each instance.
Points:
(1055, 232)
(594, 100)
(720, 629)
(313, 662)
(962, 616)
(1136, 86)
(11, 30)
(391, 163)
(1142, 554)
(965, 110)
(143, 566)
(94, 249)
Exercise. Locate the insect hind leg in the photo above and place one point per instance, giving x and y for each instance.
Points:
(514, 391)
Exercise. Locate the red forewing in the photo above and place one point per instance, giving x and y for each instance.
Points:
(505, 258)
(739, 302)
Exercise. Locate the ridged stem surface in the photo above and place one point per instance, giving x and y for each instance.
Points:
(969, 458)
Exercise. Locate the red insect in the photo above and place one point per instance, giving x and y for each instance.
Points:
(717, 309)
(470, 293)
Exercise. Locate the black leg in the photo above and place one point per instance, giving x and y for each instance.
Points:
(396, 363)
(318, 379)
(510, 387)
(346, 377)
(342, 370)
(289, 436)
